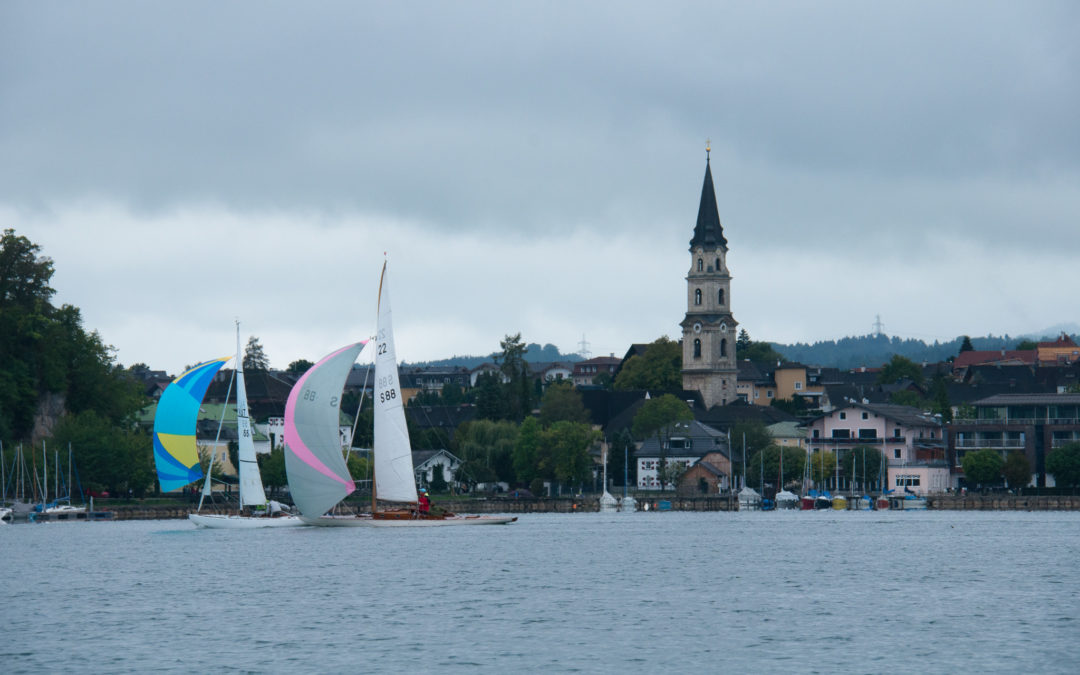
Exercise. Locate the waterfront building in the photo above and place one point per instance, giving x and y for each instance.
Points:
(912, 442)
(682, 444)
(1034, 424)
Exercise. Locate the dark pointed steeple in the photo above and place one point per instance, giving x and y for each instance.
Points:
(708, 232)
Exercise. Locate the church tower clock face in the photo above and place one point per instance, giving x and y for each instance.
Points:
(709, 364)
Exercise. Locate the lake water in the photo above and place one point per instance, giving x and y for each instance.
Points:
(814, 592)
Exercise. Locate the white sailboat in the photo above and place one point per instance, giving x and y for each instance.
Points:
(318, 476)
(251, 487)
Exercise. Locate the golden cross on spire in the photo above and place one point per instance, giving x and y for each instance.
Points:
(708, 147)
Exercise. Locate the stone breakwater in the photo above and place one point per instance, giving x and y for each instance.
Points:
(1005, 503)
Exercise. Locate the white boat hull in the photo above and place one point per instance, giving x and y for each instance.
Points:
(65, 509)
(220, 522)
(368, 521)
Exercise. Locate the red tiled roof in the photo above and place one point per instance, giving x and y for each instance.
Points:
(976, 357)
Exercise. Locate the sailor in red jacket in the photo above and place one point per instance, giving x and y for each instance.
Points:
(424, 503)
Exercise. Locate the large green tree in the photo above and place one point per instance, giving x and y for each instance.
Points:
(562, 402)
(486, 450)
(1064, 464)
(766, 462)
(983, 467)
(272, 469)
(822, 467)
(1017, 470)
(754, 437)
(899, 368)
(107, 456)
(658, 369)
(519, 386)
(254, 356)
(566, 446)
(45, 353)
(863, 463)
(657, 415)
(526, 457)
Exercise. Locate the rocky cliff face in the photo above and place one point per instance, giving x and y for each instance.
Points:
(51, 407)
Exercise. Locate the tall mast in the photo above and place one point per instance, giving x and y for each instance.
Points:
(378, 340)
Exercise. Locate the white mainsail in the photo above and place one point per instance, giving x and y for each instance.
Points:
(394, 477)
(318, 476)
(251, 487)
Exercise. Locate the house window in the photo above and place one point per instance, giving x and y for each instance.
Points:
(757, 394)
(841, 433)
(700, 265)
(896, 453)
(817, 433)
(723, 347)
(769, 394)
(720, 298)
(843, 416)
(896, 433)
(798, 386)
(697, 348)
(866, 416)
(868, 433)
(697, 296)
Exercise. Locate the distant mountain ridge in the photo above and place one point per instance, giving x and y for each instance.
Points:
(534, 353)
(871, 351)
(874, 351)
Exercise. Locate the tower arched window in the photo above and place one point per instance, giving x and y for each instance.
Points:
(700, 264)
(718, 264)
(697, 296)
(697, 348)
(723, 347)
(721, 296)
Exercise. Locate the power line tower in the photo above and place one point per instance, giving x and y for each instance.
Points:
(878, 326)
(583, 348)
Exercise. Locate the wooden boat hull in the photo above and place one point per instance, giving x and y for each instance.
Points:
(221, 522)
(365, 520)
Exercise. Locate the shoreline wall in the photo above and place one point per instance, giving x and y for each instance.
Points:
(591, 504)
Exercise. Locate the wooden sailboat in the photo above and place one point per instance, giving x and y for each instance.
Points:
(251, 487)
(318, 476)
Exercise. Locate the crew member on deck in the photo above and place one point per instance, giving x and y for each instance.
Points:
(423, 505)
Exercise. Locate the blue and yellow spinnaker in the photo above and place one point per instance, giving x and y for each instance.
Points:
(175, 454)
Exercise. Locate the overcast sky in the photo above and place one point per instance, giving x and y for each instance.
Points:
(536, 168)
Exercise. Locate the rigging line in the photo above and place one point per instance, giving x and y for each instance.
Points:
(359, 407)
(208, 483)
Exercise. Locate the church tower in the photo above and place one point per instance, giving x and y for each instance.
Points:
(708, 342)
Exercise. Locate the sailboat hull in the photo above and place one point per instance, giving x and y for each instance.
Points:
(219, 522)
(368, 521)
